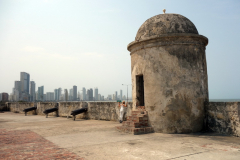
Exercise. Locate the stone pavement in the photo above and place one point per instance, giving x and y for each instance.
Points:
(37, 137)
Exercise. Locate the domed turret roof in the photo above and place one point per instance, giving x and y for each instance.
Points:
(164, 24)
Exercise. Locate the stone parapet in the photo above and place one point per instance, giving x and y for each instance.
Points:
(223, 117)
(96, 110)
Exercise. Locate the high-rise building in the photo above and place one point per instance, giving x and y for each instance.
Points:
(16, 90)
(99, 97)
(17, 85)
(70, 94)
(84, 93)
(90, 94)
(44, 97)
(50, 96)
(56, 94)
(4, 97)
(65, 95)
(41, 93)
(15, 95)
(36, 95)
(116, 95)
(79, 96)
(96, 94)
(74, 93)
(59, 93)
(24, 83)
(32, 91)
(120, 94)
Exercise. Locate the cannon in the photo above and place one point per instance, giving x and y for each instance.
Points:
(29, 109)
(55, 109)
(78, 111)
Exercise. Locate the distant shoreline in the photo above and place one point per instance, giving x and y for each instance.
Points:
(224, 100)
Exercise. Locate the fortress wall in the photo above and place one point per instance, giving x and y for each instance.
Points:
(42, 106)
(65, 108)
(18, 107)
(96, 110)
(223, 117)
(106, 111)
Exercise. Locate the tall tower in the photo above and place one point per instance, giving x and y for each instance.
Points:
(41, 93)
(24, 83)
(116, 95)
(84, 93)
(90, 94)
(169, 73)
(32, 91)
(65, 95)
(74, 93)
(96, 94)
(56, 94)
(59, 93)
(120, 94)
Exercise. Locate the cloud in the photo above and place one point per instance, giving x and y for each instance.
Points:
(32, 49)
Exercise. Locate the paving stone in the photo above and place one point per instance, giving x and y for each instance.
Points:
(25, 144)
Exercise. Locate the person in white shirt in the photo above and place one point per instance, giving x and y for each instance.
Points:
(121, 106)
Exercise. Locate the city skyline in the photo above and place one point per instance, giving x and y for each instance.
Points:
(84, 43)
(25, 90)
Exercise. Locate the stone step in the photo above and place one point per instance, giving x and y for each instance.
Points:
(132, 124)
(137, 123)
(135, 131)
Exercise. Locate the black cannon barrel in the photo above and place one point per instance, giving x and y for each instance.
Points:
(29, 109)
(50, 110)
(78, 111)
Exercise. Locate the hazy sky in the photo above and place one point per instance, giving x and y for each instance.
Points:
(62, 43)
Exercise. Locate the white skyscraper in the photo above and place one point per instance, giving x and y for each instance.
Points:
(84, 93)
(120, 94)
(116, 95)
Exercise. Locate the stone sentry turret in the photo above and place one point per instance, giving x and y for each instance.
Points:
(169, 73)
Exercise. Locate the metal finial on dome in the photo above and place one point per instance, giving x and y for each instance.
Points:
(164, 10)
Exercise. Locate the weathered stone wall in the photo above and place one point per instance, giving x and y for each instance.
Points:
(106, 111)
(65, 108)
(223, 117)
(169, 55)
(18, 107)
(42, 106)
(175, 82)
(96, 110)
